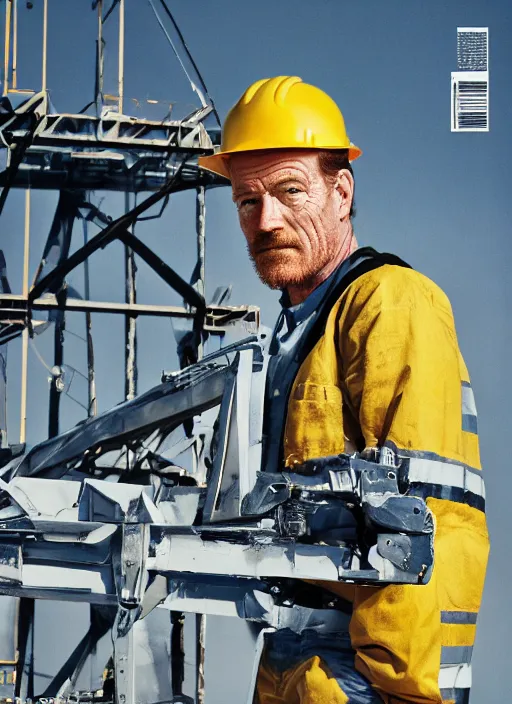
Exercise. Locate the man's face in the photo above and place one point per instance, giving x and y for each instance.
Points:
(289, 213)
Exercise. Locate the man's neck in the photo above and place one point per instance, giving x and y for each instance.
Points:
(298, 293)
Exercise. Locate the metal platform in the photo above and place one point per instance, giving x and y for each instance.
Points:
(43, 150)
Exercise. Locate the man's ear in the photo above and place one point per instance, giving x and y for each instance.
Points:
(345, 188)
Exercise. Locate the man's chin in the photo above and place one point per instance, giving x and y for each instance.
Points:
(273, 282)
(277, 278)
(279, 269)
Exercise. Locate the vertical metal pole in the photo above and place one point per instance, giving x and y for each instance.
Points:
(45, 42)
(200, 643)
(7, 45)
(177, 653)
(120, 82)
(130, 267)
(124, 659)
(31, 642)
(99, 78)
(200, 285)
(25, 666)
(24, 335)
(200, 230)
(92, 406)
(15, 45)
(130, 387)
(200, 233)
(58, 360)
(3, 399)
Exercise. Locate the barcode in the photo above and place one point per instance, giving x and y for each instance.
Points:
(471, 104)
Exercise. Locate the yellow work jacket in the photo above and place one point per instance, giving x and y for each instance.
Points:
(388, 370)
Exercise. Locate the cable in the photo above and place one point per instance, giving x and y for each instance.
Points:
(50, 371)
(189, 55)
(204, 104)
(191, 58)
(39, 356)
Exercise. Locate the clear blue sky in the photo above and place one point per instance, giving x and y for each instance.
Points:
(439, 200)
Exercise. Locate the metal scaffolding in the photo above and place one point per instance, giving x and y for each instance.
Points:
(102, 148)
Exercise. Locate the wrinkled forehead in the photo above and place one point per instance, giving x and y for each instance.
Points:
(271, 163)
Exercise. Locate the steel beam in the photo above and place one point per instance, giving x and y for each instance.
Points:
(14, 308)
(18, 305)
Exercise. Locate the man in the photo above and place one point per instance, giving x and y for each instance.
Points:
(364, 357)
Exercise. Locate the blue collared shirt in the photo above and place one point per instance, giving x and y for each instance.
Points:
(288, 337)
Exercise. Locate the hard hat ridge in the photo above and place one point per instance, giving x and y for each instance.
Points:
(283, 87)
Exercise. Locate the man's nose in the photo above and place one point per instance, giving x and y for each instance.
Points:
(270, 214)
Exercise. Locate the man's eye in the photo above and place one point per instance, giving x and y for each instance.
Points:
(247, 201)
(293, 190)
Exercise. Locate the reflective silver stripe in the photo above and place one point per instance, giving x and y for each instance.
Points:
(475, 483)
(469, 415)
(456, 654)
(468, 400)
(429, 471)
(454, 676)
(460, 617)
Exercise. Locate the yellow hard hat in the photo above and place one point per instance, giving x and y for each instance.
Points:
(281, 113)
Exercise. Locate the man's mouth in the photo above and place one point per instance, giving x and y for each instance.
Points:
(273, 247)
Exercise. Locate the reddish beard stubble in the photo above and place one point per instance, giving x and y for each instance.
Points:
(283, 259)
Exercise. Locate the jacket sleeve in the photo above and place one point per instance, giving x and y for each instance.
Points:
(403, 376)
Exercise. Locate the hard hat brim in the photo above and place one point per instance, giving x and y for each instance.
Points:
(218, 163)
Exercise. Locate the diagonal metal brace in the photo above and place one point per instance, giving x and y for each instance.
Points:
(163, 270)
(117, 229)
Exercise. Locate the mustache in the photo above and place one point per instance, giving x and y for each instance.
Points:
(272, 240)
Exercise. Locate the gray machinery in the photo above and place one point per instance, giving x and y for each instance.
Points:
(162, 502)
(225, 537)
